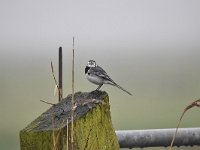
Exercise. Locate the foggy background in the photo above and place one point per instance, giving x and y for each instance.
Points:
(151, 48)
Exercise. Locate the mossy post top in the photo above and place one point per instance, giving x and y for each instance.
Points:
(61, 112)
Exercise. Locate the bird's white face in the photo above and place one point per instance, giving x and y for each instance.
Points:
(91, 63)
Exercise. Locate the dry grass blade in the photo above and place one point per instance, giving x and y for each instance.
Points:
(52, 70)
(53, 133)
(67, 134)
(59, 131)
(55, 90)
(193, 104)
(56, 137)
(56, 83)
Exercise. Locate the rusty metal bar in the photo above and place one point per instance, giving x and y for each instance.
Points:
(60, 85)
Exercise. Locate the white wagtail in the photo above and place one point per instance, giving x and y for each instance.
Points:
(97, 75)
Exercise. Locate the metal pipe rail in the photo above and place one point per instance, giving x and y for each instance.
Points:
(158, 137)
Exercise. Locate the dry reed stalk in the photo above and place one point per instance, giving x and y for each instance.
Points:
(193, 104)
(67, 134)
(72, 110)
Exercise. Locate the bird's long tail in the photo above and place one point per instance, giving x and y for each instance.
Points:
(122, 89)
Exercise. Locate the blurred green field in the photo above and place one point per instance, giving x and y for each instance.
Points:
(154, 106)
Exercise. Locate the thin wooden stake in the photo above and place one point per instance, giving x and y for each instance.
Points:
(60, 90)
(72, 109)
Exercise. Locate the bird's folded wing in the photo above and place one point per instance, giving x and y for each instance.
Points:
(98, 71)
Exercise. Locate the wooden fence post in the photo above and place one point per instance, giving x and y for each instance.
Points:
(92, 130)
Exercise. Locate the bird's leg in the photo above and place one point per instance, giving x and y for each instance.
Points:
(99, 87)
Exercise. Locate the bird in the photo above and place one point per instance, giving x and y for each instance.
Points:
(98, 76)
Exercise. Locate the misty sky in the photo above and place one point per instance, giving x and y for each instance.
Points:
(99, 25)
(142, 38)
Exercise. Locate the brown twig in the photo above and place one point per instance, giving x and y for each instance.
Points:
(47, 102)
(193, 104)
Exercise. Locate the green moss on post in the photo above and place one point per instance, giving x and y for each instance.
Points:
(93, 128)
